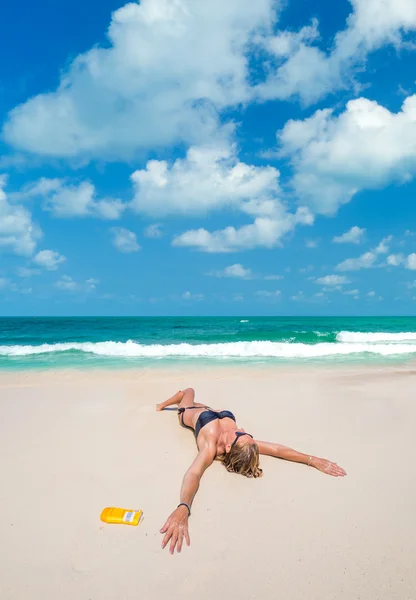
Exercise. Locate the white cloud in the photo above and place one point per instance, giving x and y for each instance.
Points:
(371, 294)
(27, 272)
(48, 259)
(212, 178)
(189, 296)
(168, 67)
(352, 292)
(273, 277)
(312, 243)
(298, 297)
(236, 271)
(411, 262)
(383, 246)
(302, 69)
(307, 269)
(66, 283)
(268, 294)
(332, 280)
(153, 231)
(336, 156)
(352, 236)
(124, 240)
(208, 178)
(18, 233)
(66, 200)
(394, 260)
(92, 283)
(264, 232)
(366, 260)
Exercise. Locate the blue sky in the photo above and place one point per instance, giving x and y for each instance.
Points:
(208, 158)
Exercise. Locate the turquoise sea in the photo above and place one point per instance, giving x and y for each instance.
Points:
(39, 343)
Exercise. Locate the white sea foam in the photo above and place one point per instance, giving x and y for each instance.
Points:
(260, 349)
(379, 336)
(244, 321)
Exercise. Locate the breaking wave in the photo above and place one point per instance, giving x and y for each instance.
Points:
(351, 343)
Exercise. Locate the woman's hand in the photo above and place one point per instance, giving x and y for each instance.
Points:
(176, 529)
(328, 467)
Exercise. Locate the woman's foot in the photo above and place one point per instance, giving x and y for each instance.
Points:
(175, 399)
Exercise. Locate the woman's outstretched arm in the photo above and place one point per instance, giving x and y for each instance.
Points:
(176, 527)
(326, 466)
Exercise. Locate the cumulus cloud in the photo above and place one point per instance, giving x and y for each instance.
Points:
(332, 280)
(268, 294)
(394, 260)
(48, 259)
(65, 200)
(67, 284)
(336, 156)
(189, 296)
(211, 178)
(124, 240)
(208, 178)
(18, 233)
(153, 231)
(366, 260)
(236, 271)
(264, 232)
(92, 283)
(397, 260)
(352, 236)
(161, 66)
(410, 262)
(160, 81)
(301, 69)
(300, 296)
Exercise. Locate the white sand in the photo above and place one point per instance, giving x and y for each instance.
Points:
(73, 443)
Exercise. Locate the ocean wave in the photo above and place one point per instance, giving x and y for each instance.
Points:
(260, 349)
(376, 337)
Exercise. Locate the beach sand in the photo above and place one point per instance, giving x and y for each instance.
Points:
(72, 443)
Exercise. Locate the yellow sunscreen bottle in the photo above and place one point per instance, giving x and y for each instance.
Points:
(121, 516)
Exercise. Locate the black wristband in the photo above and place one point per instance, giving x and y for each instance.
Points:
(187, 506)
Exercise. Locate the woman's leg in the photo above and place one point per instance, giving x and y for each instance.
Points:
(183, 398)
(175, 399)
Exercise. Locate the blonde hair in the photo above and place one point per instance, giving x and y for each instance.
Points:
(242, 459)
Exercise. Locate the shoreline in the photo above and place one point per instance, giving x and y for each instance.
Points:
(131, 374)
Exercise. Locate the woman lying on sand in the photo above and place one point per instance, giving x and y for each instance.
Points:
(218, 437)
